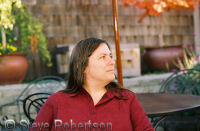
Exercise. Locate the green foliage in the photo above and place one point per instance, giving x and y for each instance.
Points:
(189, 83)
(186, 81)
(18, 22)
(10, 43)
(29, 25)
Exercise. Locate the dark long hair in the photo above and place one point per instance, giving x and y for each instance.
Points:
(79, 61)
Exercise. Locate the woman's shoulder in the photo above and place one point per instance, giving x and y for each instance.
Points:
(58, 98)
(123, 94)
(128, 94)
(58, 95)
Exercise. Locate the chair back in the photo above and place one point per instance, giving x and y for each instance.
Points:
(44, 84)
(33, 103)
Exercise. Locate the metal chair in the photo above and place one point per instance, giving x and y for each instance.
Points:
(33, 103)
(182, 82)
(45, 84)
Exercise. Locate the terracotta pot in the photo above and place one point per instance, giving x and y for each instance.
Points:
(13, 68)
(162, 58)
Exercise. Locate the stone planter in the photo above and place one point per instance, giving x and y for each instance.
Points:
(162, 58)
(13, 68)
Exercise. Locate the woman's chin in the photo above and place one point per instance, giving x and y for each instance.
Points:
(111, 78)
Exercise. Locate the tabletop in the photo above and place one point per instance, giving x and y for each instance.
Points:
(157, 104)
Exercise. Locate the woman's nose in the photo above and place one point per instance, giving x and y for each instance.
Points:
(111, 61)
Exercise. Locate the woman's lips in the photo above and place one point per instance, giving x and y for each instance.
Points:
(111, 70)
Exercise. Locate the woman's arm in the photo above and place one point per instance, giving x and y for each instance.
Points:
(139, 119)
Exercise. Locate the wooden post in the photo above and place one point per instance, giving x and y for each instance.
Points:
(196, 18)
(117, 41)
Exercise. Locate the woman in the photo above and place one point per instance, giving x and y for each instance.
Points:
(92, 101)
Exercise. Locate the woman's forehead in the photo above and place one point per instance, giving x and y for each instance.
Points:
(102, 49)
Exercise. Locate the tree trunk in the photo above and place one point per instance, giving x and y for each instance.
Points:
(3, 34)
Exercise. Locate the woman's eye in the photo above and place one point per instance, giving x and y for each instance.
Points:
(103, 57)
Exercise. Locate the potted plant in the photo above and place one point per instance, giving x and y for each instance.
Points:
(185, 80)
(20, 32)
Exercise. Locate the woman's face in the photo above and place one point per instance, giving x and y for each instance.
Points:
(100, 65)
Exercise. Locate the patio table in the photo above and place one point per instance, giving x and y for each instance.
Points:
(163, 105)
